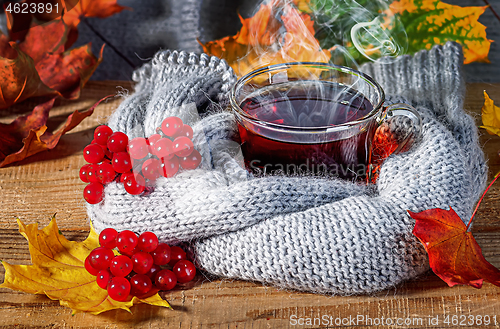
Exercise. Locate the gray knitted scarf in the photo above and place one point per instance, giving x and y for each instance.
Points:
(321, 235)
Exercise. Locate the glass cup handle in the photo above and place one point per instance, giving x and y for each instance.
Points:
(391, 111)
(405, 110)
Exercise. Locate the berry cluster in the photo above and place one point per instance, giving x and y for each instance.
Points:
(139, 162)
(140, 267)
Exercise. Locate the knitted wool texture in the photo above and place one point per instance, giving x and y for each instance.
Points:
(320, 235)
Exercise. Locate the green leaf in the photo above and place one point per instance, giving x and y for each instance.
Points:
(393, 28)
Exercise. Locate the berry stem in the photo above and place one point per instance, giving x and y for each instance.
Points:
(479, 202)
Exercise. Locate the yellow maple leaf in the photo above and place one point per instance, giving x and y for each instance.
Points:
(58, 271)
(430, 22)
(273, 35)
(490, 114)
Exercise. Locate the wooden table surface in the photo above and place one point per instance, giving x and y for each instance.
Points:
(48, 183)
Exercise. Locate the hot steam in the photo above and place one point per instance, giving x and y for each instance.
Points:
(363, 29)
(343, 32)
(277, 33)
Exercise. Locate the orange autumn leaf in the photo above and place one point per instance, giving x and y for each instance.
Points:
(91, 8)
(490, 115)
(272, 36)
(431, 22)
(21, 138)
(58, 271)
(28, 135)
(65, 71)
(54, 34)
(68, 72)
(20, 79)
(33, 68)
(454, 254)
(35, 61)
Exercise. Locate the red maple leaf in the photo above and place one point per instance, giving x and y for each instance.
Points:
(454, 254)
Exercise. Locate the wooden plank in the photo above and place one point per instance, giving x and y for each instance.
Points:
(48, 183)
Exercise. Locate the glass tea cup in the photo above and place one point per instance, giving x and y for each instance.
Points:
(313, 118)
